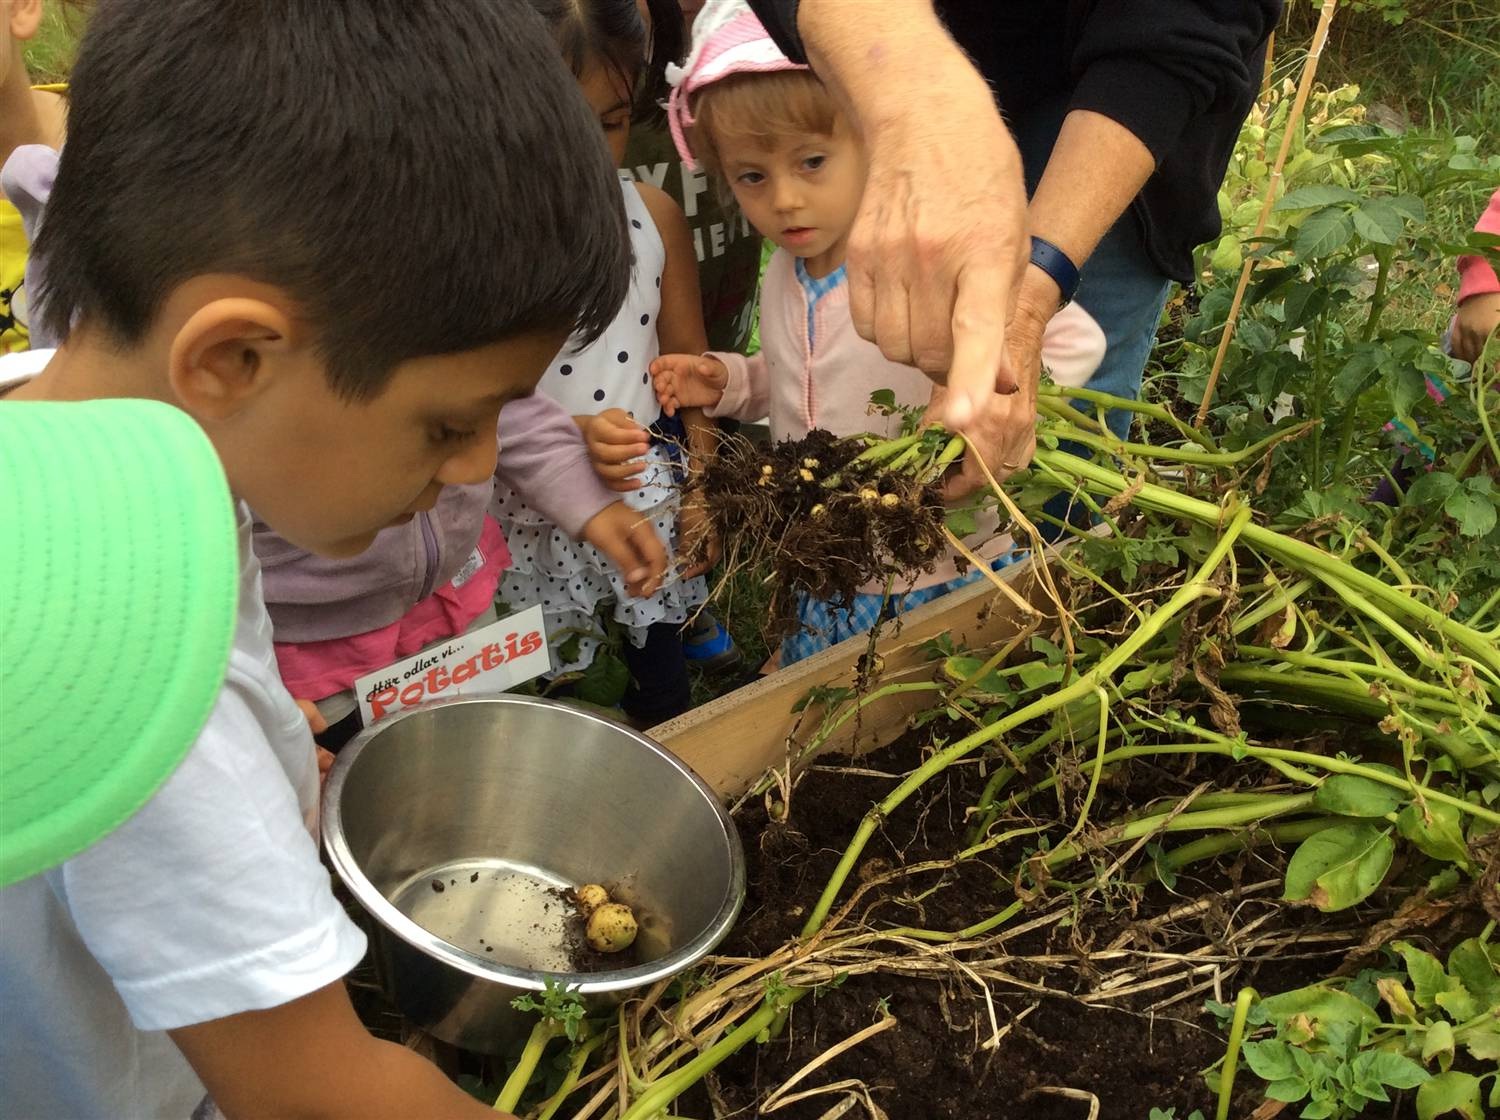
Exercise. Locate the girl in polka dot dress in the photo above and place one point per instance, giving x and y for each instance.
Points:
(607, 388)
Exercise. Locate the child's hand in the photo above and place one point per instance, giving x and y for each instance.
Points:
(317, 725)
(616, 444)
(688, 381)
(1478, 318)
(695, 532)
(630, 543)
(315, 721)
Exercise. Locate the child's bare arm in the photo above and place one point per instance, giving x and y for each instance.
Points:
(312, 1059)
(680, 330)
(696, 531)
(1478, 318)
(679, 327)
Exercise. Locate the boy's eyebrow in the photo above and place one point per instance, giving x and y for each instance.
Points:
(479, 405)
(616, 107)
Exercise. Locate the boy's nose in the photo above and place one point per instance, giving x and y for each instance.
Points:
(788, 197)
(474, 464)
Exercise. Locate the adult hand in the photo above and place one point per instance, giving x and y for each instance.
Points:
(630, 543)
(1478, 318)
(940, 240)
(688, 381)
(616, 443)
(1003, 432)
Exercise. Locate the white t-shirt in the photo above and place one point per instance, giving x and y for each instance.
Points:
(208, 902)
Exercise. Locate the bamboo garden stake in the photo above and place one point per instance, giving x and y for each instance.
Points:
(1304, 87)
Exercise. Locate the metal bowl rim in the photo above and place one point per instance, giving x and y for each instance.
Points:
(379, 907)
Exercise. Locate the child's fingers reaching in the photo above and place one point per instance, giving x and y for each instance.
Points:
(645, 560)
(618, 426)
(688, 381)
(630, 543)
(614, 437)
(621, 477)
(315, 722)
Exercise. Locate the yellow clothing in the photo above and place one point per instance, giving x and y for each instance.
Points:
(14, 335)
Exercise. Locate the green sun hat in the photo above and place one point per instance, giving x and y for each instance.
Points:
(118, 577)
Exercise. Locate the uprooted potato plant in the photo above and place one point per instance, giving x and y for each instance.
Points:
(1299, 715)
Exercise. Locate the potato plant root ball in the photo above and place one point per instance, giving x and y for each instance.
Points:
(820, 518)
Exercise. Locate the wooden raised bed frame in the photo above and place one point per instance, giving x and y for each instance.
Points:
(735, 739)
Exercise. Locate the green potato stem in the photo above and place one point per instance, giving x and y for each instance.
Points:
(1196, 588)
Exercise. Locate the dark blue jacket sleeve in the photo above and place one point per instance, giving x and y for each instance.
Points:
(1155, 66)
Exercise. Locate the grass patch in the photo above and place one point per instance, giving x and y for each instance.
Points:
(49, 56)
(1436, 67)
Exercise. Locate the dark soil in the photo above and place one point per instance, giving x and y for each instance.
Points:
(932, 1063)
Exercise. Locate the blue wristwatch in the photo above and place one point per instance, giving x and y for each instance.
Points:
(1055, 263)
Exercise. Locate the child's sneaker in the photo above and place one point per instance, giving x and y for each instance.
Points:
(708, 645)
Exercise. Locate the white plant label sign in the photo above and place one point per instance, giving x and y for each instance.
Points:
(492, 659)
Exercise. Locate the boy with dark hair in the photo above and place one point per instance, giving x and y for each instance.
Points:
(339, 237)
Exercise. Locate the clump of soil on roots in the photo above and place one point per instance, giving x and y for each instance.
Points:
(822, 521)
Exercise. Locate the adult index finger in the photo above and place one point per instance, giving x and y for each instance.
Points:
(980, 363)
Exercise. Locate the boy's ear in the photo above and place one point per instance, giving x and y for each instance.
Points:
(227, 353)
(25, 18)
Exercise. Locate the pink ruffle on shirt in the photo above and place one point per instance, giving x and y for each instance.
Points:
(315, 670)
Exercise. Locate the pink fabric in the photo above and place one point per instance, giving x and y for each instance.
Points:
(314, 670)
(1476, 276)
(828, 384)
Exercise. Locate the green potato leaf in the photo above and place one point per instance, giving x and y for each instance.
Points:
(1323, 233)
(1321, 1004)
(1438, 1043)
(1473, 963)
(1271, 1060)
(1427, 974)
(1437, 831)
(1319, 194)
(1350, 795)
(1449, 1093)
(1339, 866)
(1378, 221)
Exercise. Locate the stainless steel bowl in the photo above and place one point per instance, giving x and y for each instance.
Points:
(457, 824)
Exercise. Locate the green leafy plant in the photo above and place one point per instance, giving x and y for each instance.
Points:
(1330, 1046)
(562, 1014)
(560, 1006)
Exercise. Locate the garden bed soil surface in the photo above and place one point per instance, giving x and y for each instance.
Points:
(932, 1063)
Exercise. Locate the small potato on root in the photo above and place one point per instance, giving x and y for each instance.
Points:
(612, 928)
